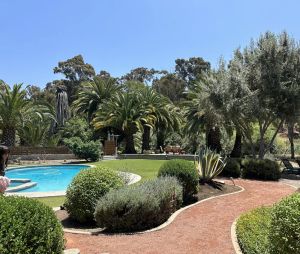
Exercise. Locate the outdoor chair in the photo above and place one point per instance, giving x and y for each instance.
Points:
(289, 168)
(298, 162)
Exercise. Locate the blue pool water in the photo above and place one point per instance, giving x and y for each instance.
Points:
(48, 178)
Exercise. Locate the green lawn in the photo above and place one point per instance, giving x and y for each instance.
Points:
(147, 169)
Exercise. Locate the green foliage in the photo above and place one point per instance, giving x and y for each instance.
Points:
(261, 169)
(139, 207)
(76, 127)
(171, 86)
(209, 165)
(185, 172)
(89, 151)
(147, 169)
(232, 168)
(28, 226)
(125, 113)
(253, 230)
(86, 188)
(93, 93)
(285, 226)
(13, 105)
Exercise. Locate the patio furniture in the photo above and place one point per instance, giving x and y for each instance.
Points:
(298, 162)
(289, 168)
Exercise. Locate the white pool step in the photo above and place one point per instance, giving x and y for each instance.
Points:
(23, 186)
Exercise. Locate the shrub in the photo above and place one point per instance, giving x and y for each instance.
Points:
(186, 174)
(28, 226)
(89, 151)
(86, 188)
(285, 226)
(232, 168)
(260, 169)
(139, 207)
(252, 231)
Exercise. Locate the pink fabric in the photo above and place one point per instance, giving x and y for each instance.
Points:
(4, 183)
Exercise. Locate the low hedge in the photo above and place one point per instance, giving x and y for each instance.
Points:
(232, 168)
(274, 230)
(185, 172)
(285, 226)
(252, 231)
(28, 226)
(261, 169)
(85, 190)
(139, 207)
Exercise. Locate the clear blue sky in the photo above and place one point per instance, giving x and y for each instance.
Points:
(118, 36)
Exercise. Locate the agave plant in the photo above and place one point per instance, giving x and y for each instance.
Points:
(209, 165)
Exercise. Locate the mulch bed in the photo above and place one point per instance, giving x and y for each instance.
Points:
(205, 191)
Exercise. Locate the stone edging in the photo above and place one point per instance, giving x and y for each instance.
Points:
(165, 224)
(234, 238)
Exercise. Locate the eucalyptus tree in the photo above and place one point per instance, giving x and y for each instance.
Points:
(191, 70)
(93, 93)
(125, 113)
(75, 70)
(171, 86)
(142, 74)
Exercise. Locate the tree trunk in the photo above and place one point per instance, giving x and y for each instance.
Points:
(237, 148)
(291, 138)
(8, 136)
(129, 148)
(214, 139)
(146, 139)
(160, 140)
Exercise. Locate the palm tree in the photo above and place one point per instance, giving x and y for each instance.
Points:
(36, 124)
(202, 115)
(92, 93)
(13, 105)
(126, 113)
(161, 108)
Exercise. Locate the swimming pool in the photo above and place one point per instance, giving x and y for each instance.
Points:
(48, 178)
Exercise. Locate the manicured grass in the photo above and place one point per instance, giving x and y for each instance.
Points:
(52, 201)
(147, 169)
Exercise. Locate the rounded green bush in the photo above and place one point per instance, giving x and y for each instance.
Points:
(285, 226)
(261, 169)
(232, 168)
(185, 172)
(86, 188)
(28, 226)
(252, 230)
(139, 207)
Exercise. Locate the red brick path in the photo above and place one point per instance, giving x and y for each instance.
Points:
(204, 228)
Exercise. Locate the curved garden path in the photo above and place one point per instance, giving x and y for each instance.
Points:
(203, 228)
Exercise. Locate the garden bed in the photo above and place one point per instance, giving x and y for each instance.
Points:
(206, 191)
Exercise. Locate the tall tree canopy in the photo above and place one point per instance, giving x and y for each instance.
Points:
(191, 69)
(75, 71)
